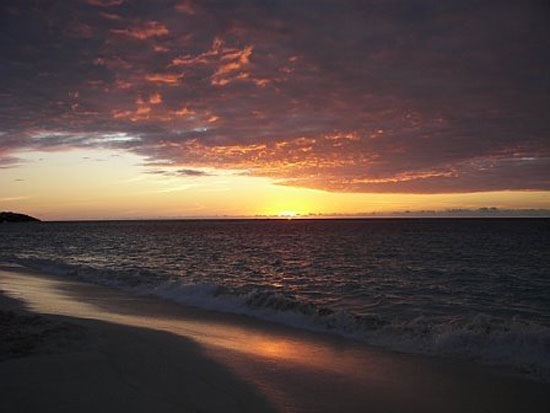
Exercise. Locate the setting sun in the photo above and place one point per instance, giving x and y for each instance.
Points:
(287, 214)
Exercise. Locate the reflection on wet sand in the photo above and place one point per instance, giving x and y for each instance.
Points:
(296, 370)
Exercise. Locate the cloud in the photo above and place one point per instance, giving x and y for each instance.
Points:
(110, 16)
(227, 64)
(105, 3)
(143, 31)
(9, 162)
(13, 198)
(181, 172)
(166, 78)
(155, 98)
(186, 6)
(371, 96)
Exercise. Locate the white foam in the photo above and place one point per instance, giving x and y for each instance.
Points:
(523, 345)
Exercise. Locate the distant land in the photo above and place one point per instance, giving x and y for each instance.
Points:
(484, 212)
(15, 217)
(445, 213)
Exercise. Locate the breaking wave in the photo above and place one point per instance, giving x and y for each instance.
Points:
(519, 344)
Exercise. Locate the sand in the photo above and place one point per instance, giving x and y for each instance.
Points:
(72, 346)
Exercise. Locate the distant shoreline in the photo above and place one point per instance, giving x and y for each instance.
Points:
(305, 218)
(9, 217)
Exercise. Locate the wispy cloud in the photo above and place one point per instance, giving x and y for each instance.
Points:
(14, 198)
(143, 31)
(181, 172)
(105, 3)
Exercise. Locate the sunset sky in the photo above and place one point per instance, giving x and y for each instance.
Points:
(165, 108)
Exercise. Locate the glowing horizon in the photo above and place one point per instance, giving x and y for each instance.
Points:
(106, 185)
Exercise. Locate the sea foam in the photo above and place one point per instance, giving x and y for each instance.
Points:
(518, 344)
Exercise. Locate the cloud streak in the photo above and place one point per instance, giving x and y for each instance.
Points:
(143, 31)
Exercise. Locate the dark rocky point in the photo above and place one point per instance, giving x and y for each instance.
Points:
(14, 217)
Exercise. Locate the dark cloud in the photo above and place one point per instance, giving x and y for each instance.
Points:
(181, 172)
(105, 3)
(8, 162)
(369, 96)
(191, 172)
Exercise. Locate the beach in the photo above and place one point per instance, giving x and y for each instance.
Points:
(121, 351)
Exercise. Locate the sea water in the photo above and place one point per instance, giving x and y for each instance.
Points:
(468, 288)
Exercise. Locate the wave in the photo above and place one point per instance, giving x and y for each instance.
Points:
(520, 344)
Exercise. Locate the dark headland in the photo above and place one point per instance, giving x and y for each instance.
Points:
(14, 217)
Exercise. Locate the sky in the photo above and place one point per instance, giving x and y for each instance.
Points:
(177, 108)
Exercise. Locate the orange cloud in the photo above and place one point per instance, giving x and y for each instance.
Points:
(188, 60)
(166, 78)
(160, 49)
(261, 82)
(142, 112)
(228, 63)
(302, 158)
(184, 111)
(186, 7)
(155, 98)
(404, 177)
(238, 59)
(143, 31)
(222, 81)
(203, 58)
(232, 61)
(340, 139)
(117, 114)
(146, 111)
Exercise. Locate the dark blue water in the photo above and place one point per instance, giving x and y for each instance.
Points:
(477, 288)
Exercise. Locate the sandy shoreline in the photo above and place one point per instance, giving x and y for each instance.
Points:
(143, 354)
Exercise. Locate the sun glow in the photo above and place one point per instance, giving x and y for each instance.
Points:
(288, 214)
(110, 184)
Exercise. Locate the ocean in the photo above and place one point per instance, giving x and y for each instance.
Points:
(476, 289)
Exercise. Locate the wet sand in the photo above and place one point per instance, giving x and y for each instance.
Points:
(122, 352)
